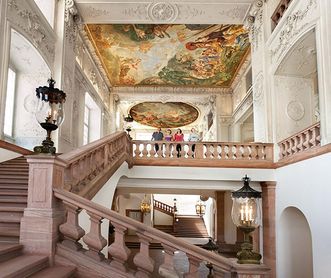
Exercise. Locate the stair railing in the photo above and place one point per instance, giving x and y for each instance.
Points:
(73, 233)
(163, 207)
(90, 166)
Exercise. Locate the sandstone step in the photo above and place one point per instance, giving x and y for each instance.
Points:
(55, 272)
(14, 186)
(23, 266)
(13, 192)
(9, 250)
(16, 177)
(13, 199)
(10, 229)
(13, 181)
(10, 208)
(10, 218)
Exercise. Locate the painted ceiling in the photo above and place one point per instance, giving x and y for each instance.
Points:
(170, 55)
(164, 115)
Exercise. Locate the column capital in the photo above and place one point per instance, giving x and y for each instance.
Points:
(268, 184)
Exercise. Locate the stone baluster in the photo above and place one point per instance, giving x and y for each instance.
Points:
(260, 153)
(167, 150)
(193, 267)
(245, 152)
(167, 269)
(230, 151)
(145, 151)
(144, 263)
(118, 251)
(105, 156)
(94, 239)
(223, 152)
(208, 153)
(71, 230)
(199, 150)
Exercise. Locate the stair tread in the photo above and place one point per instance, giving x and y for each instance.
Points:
(9, 247)
(55, 272)
(11, 208)
(13, 192)
(10, 218)
(19, 265)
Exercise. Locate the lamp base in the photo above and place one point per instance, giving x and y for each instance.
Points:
(246, 255)
(47, 147)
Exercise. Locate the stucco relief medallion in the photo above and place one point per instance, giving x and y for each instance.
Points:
(163, 11)
(295, 110)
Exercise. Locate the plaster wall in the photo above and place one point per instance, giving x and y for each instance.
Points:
(230, 235)
(6, 155)
(305, 185)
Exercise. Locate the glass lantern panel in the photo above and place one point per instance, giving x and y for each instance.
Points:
(246, 212)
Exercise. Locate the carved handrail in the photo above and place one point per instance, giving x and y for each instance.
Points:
(211, 154)
(90, 166)
(163, 207)
(72, 233)
(14, 148)
(302, 141)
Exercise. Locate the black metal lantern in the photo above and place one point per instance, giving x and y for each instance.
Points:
(128, 119)
(246, 215)
(49, 113)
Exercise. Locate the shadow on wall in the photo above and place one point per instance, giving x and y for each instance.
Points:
(295, 257)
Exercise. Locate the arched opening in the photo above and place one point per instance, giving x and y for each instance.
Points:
(27, 70)
(295, 257)
(296, 88)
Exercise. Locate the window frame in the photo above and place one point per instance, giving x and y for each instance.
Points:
(12, 94)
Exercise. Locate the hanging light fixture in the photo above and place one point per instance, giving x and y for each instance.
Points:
(49, 113)
(246, 215)
(200, 208)
(128, 118)
(145, 205)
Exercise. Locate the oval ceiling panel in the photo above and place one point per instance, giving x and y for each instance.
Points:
(164, 115)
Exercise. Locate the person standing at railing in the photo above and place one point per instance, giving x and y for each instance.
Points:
(193, 137)
(168, 137)
(178, 137)
(157, 136)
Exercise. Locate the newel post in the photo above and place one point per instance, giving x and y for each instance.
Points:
(44, 213)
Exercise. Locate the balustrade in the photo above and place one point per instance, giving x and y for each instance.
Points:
(203, 151)
(120, 253)
(90, 162)
(280, 10)
(300, 142)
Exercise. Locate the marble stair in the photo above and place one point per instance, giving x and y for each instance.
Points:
(15, 264)
(13, 197)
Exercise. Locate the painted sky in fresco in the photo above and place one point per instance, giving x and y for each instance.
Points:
(174, 55)
(164, 115)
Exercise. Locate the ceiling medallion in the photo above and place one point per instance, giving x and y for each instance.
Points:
(162, 11)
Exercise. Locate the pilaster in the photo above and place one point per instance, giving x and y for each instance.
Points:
(44, 214)
(269, 229)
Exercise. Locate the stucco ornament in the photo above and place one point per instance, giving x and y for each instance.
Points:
(163, 11)
(295, 110)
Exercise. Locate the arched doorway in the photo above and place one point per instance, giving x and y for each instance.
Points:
(295, 257)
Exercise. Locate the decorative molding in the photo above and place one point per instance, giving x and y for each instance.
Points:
(295, 110)
(28, 20)
(170, 90)
(71, 19)
(290, 27)
(258, 89)
(163, 11)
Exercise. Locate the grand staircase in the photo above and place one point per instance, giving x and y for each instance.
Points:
(13, 197)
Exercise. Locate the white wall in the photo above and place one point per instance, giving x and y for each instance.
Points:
(6, 155)
(230, 235)
(306, 186)
(294, 233)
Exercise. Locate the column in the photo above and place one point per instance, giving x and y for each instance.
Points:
(269, 231)
(220, 216)
(44, 213)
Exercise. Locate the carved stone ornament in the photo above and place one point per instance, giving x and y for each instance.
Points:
(295, 110)
(258, 89)
(163, 11)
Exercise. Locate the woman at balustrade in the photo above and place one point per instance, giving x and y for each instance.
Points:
(193, 137)
(178, 137)
(168, 137)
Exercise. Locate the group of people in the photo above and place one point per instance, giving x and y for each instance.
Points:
(177, 137)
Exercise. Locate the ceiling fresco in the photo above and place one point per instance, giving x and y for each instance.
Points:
(173, 55)
(164, 115)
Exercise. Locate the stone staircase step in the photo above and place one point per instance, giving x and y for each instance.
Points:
(10, 208)
(23, 266)
(10, 229)
(13, 192)
(16, 177)
(9, 250)
(55, 272)
(13, 181)
(14, 186)
(10, 218)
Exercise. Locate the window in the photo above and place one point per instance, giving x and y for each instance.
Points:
(86, 125)
(10, 99)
